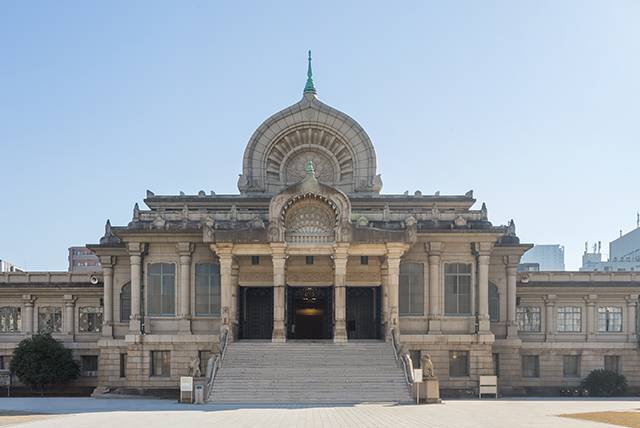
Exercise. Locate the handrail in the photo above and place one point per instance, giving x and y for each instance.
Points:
(215, 362)
(408, 377)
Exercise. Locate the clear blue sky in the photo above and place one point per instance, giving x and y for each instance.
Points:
(535, 105)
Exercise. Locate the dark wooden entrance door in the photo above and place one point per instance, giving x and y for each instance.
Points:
(309, 312)
(256, 312)
(363, 312)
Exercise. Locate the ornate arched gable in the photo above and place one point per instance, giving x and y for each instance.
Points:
(310, 212)
(309, 131)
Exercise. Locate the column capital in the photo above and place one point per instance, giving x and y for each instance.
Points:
(632, 299)
(395, 250)
(28, 299)
(135, 248)
(185, 248)
(549, 299)
(278, 250)
(434, 248)
(222, 250)
(483, 248)
(69, 299)
(590, 299)
(341, 250)
(511, 260)
(107, 261)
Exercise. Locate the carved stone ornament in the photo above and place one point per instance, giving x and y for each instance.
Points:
(310, 220)
(109, 237)
(324, 169)
(411, 225)
(460, 221)
(208, 231)
(427, 368)
(194, 367)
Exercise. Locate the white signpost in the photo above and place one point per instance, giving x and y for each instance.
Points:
(417, 379)
(186, 389)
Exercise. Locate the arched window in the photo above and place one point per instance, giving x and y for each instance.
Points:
(125, 302)
(161, 291)
(411, 289)
(494, 302)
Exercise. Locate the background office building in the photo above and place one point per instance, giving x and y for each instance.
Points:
(547, 257)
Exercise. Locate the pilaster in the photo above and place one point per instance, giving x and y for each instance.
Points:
(550, 316)
(483, 250)
(434, 250)
(28, 301)
(340, 258)
(68, 318)
(632, 307)
(592, 316)
(185, 249)
(394, 253)
(135, 260)
(279, 259)
(107, 263)
(225, 256)
(511, 266)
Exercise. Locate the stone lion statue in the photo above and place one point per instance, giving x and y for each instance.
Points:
(194, 367)
(427, 368)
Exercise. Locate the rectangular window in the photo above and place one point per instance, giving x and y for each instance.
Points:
(10, 319)
(610, 318)
(571, 366)
(255, 260)
(161, 289)
(416, 358)
(529, 318)
(569, 319)
(50, 319)
(458, 363)
(204, 360)
(123, 365)
(457, 286)
(612, 362)
(90, 319)
(207, 289)
(309, 260)
(496, 364)
(161, 363)
(530, 366)
(411, 293)
(2, 363)
(89, 364)
(364, 260)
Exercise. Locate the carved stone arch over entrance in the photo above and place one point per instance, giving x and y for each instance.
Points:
(309, 131)
(310, 212)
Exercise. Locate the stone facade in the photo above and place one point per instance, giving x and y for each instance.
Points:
(310, 249)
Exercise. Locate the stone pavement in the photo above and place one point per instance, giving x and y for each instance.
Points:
(124, 413)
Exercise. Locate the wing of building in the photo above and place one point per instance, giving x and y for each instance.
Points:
(310, 249)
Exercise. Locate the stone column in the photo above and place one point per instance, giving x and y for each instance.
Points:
(225, 255)
(592, 316)
(484, 255)
(27, 324)
(184, 315)
(278, 258)
(434, 249)
(385, 295)
(68, 317)
(107, 263)
(394, 253)
(632, 305)
(135, 260)
(340, 258)
(550, 316)
(512, 321)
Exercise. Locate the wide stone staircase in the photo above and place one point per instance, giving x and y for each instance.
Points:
(309, 372)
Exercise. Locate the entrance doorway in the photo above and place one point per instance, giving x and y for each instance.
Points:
(256, 312)
(363, 312)
(309, 313)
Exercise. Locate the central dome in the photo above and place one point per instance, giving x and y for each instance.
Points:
(309, 130)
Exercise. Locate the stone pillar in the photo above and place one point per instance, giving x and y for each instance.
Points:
(135, 260)
(484, 256)
(225, 255)
(184, 315)
(27, 324)
(107, 263)
(512, 321)
(340, 258)
(632, 306)
(68, 317)
(394, 253)
(434, 249)
(550, 316)
(592, 316)
(278, 258)
(385, 295)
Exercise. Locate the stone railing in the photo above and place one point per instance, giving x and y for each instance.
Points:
(404, 358)
(215, 362)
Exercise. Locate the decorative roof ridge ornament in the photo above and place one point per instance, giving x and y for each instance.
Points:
(309, 88)
(309, 169)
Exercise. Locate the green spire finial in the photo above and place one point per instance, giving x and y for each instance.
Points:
(309, 169)
(309, 88)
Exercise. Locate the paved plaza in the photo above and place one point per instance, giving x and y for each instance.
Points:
(122, 413)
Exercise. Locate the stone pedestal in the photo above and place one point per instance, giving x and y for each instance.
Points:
(429, 391)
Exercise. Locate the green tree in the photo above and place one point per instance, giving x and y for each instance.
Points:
(40, 361)
(605, 383)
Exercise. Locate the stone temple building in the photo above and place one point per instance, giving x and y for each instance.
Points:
(311, 272)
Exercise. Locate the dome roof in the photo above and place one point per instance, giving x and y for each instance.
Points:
(309, 130)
